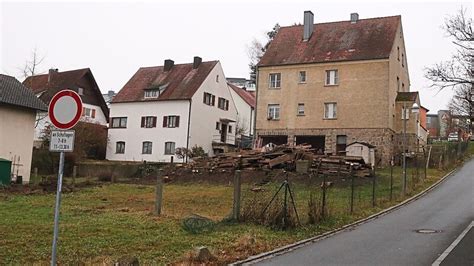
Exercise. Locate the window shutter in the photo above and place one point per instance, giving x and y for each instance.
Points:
(143, 121)
(213, 100)
(177, 121)
(93, 113)
(328, 77)
(165, 121)
(83, 111)
(227, 104)
(204, 98)
(154, 121)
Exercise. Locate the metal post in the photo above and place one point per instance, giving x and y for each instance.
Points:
(285, 206)
(58, 205)
(35, 171)
(74, 174)
(373, 189)
(404, 180)
(237, 190)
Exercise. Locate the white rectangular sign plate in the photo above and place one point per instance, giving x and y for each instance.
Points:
(62, 141)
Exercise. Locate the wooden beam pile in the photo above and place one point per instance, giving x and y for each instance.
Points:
(283, 156)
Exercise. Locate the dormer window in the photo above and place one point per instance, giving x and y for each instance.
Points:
(152, 93)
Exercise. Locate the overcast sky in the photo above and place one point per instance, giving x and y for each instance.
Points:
(115, 39)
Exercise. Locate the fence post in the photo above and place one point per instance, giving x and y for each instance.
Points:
(352, 188)
(391, 179)
(35, 172)
(74, 174)
(159, 192)
(237, 190)
(373, 188)
(323, 211)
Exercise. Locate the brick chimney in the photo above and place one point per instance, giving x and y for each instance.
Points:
(308, 25)
(168, 65)
(197, 61)
(51, 72)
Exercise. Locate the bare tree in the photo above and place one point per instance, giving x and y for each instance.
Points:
(462, 106)
(256, 49)
(31, 66)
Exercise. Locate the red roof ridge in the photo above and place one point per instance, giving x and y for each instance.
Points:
(248, 97)
(181, 64)
(60, 72)
(341, 21)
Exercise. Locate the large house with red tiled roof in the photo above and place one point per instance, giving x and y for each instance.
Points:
(163, 108)
(331, 84)
(82, 81)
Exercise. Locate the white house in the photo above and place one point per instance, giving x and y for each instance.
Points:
(18, 108)
(82, 81)
(167, 107)
(245, 104)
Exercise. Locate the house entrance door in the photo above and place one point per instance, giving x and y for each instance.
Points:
(224, 133)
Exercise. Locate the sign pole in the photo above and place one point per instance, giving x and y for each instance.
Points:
(58, 205)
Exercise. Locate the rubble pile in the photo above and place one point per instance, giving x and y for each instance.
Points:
(283, 156)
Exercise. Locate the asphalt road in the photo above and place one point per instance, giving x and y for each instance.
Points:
(392, 239)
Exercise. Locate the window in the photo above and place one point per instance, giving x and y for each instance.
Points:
(152, 93)
(209, 99)
(341, 142)
(302, 77)
(275, 80)
(300, 110)
(406, 114)
(230, 129)
(88, 112)
(80, 91)
(332, 77)
(223, 104)
(148, 121)
(120, 147)
(119, 122)
(218, 126)
(171, 121)
(398, 53)
(330, 110)
(147, 147)
(273, 111)
(398, 84)
(170, 148)
(217, 78)
(403, 86)
(403, 60)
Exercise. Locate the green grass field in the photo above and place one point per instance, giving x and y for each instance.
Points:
(102, 223)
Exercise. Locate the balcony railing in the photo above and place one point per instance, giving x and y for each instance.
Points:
(224, 139)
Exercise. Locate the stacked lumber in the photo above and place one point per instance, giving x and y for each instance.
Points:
(283, 156)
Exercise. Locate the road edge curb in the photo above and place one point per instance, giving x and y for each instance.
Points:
(301, 243)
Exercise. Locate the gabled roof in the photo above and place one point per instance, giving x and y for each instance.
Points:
(39, 83)
(14, 93)
(47, 85)
(407, 96)
(248, 97)
(180, 82)
(334, 41)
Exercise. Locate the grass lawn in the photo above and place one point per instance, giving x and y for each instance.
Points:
(102, 223)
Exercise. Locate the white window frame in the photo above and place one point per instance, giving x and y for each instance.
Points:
(122, 122)
(171, 149)
(171, 123)
(332, 79)
(300, 109)
(330, 110)
(302, 77)
(274, 80)
(149, 121)
(407, 113)
(273, 112)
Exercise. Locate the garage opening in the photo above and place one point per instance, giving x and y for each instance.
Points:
(316, 142)
(277, 140)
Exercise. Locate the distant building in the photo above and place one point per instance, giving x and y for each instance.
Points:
(18, 109)
(82, 81)
(242, 83)
(245, 105)
(443, 123)
(109, 96)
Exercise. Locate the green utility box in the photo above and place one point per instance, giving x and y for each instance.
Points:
(5, 172)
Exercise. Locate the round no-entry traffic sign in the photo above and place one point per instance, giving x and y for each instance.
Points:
(65, 109)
